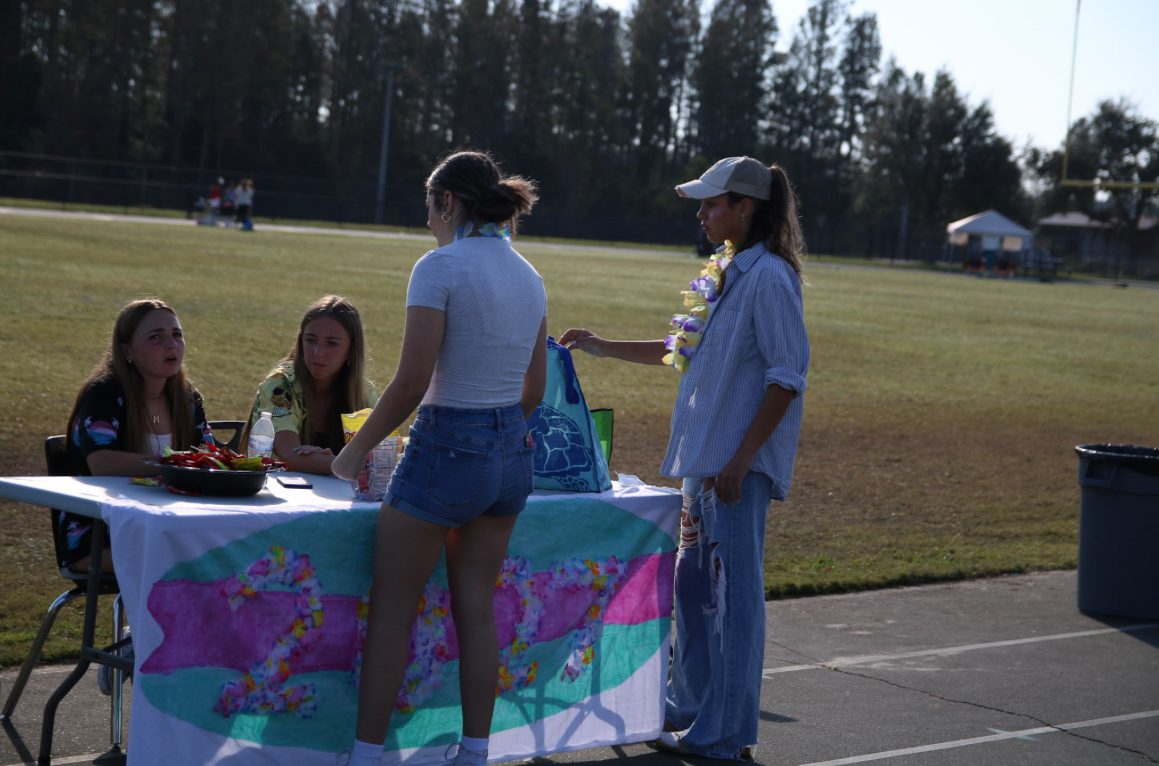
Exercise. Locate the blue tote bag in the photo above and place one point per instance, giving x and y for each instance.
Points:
(568, 455)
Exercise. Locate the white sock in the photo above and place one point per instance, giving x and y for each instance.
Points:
(476, 744)
(365, 753)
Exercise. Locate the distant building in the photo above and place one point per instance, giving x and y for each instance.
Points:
(1100, 247)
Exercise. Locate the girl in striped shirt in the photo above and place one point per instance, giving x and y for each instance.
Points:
(733, 441)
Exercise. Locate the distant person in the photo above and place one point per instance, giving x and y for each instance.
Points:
(744, 355)
(474, 362)
(322, 376)
(1005, 265)
(245, 203)
(228, 201)
(990, 259)
(215, 194)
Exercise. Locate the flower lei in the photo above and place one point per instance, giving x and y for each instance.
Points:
(704, 291)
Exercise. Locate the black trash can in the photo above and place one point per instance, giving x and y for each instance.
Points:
(1119, 530)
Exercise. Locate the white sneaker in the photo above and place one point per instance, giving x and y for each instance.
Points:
(465, 757)
(346, 758)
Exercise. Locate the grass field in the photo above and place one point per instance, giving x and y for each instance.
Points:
(940, 418)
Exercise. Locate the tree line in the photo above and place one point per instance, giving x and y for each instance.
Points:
(606, 111)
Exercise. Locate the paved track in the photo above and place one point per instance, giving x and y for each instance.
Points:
(995, 672)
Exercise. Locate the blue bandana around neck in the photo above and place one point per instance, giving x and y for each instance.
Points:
(468, 229)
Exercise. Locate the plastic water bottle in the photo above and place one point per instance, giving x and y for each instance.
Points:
(261, 441)
(374, 478)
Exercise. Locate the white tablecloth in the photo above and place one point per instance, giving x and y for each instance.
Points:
(247, 619)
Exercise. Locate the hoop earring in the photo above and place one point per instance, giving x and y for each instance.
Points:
(446, 217)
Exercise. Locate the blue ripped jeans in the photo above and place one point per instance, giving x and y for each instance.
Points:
(714, 692)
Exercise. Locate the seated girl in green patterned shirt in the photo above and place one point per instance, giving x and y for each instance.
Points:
(321, 377)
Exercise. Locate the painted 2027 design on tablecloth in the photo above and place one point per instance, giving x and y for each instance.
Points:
(262, 641)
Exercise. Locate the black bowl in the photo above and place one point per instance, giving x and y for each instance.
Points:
(213, 481)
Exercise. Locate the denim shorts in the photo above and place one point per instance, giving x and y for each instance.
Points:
(461, 464)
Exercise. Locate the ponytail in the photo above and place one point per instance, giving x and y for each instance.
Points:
(776, 222)
(503, 201)
(486, 194)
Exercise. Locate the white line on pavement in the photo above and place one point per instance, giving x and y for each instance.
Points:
(983, 740)
(11, 673)
(841, 662)
(68, 759)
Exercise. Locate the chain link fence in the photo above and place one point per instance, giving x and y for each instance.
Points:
(133, 186)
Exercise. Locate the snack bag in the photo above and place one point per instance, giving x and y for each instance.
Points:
(373, 479)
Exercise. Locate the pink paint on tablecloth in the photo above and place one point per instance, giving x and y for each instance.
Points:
(200, 629)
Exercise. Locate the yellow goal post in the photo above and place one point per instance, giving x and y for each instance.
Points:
(1092, 183)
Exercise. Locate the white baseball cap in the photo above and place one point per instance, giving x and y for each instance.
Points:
(742, 175)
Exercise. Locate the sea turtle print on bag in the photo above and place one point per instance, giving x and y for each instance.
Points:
(567, 452)
(561, 452)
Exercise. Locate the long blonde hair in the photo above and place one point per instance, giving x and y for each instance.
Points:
(352, 389)
(114, 365)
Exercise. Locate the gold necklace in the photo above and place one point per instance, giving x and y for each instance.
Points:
(156, 418)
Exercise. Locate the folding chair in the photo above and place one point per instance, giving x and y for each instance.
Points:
(235, 428)
(55, 456)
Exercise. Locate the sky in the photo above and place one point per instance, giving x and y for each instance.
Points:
(1016, 54)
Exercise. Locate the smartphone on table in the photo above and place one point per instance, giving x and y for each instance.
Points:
(295, 482)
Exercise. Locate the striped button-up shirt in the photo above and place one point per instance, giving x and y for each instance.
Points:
(755, 338)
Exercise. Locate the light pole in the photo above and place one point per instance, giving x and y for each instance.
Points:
(381, 196)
